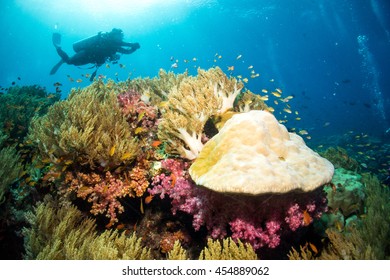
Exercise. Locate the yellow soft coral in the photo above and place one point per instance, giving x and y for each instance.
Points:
(87, 128)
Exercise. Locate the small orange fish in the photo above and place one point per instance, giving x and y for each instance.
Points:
(313, 248)
(306, 218)
(110, 224)
(148, 199)
(173, 177)
(120, 226)
(156, 143)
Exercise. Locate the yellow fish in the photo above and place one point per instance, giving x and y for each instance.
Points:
(278, 90)
(264, 98)
(276, 94)
(264, 91)
(287, 110)
(303, 132)
(126, 156)
(239, 56)
(250, 67)
(139, 130)
(245, 80)
(112, 151)
(140, 116)
(230, 68)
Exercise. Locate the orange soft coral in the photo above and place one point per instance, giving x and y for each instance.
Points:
(103, 191)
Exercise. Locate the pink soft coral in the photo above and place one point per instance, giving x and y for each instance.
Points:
(259, 220)
(138, 113)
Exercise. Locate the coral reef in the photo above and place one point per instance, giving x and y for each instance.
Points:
(190, 104)
(178, 167)
(239, 214)
(346, 197)
(10, 167)
(18, 106)
(64, 234)
(367, 236)
(87, 128)
(339, 157)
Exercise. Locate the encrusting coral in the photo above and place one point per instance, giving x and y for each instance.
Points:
(87, 128)
(190, 104)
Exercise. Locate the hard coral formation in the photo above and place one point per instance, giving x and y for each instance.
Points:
(87, 128)
(254, 154)
(190, 104)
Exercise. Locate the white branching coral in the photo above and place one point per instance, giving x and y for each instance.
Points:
(190, 104)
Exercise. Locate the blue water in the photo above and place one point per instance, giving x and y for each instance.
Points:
(333, 56)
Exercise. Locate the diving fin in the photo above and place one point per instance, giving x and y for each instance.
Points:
(56, 67)
(56, 40)
(93, 74)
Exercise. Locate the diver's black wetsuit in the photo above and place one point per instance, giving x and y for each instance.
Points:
(96, 50)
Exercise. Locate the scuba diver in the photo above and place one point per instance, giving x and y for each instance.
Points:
(98, 49)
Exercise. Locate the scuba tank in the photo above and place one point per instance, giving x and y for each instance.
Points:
(87, 43)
